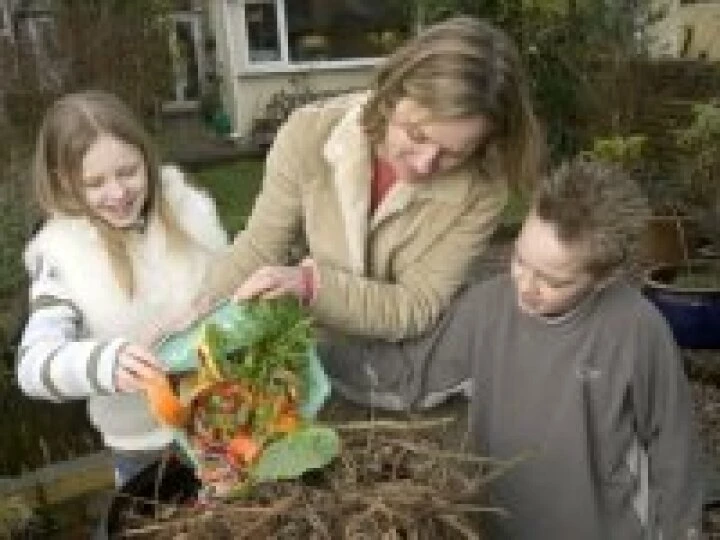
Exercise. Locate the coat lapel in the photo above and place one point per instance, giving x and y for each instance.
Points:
(397, 199)
(451, 188)
(348, 153)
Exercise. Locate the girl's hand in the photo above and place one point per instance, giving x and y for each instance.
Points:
(136, 369)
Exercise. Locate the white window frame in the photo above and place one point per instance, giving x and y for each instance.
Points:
(194, 20)
(6, 27)
(285, 65)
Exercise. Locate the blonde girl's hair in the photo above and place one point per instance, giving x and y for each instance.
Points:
(599, 207)
(464, 67)
(71, 125)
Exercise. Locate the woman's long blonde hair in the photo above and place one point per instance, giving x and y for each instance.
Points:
(459, 68)
(71, 125)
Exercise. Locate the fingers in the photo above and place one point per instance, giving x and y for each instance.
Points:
(126, 381)
(136, 368)
(269, 289)
(270, 282)
(257, 284)
(141, 356)
(275, 293)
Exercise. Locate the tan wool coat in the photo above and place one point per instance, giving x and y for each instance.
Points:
(387, 275)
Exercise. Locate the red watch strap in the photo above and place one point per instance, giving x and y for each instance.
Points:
(308, 284)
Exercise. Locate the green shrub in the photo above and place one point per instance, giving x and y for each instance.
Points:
(16, 220)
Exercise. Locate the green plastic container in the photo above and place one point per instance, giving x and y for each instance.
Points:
(179, 353)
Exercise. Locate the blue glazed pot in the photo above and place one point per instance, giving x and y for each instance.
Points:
(692, 313)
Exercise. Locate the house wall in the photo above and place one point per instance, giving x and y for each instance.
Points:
(247, 89)
(664, 34)
(687, 30)
(254, 94)
(704, 19)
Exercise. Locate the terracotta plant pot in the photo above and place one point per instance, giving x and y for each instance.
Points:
(666, 238)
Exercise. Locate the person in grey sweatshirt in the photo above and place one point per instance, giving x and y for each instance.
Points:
(568, 363)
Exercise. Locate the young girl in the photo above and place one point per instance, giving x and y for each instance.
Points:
(124, 250)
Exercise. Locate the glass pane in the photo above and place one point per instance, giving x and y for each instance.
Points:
(343, 29)
(47, 36)
(185, 62)
(263, 42)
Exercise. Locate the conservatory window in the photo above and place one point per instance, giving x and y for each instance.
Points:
(5, 25)
(301, 31)
(262, 31)
(342, 29)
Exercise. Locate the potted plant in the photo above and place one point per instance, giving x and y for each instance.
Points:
(700, 147)
(687, 292)
(664, 237)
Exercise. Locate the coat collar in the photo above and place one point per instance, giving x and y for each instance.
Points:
(348, 153)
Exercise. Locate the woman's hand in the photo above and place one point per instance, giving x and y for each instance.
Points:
(136, 369)
(275, 281)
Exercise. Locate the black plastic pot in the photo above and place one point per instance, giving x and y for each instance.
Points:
(693, 313)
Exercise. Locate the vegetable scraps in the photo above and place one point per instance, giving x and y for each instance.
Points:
(245, 400)
(164, 404)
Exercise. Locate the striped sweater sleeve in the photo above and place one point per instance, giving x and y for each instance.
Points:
(55, 361)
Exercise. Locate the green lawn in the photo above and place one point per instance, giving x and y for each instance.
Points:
(234, 187)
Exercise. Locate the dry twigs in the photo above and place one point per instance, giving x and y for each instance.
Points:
(402, 485)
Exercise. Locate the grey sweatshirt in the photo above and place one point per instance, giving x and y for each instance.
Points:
(598, 398)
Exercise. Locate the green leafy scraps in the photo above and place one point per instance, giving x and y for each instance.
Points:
(309, 448)
(268, 347)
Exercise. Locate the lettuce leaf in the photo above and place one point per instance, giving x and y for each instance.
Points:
(309, 448)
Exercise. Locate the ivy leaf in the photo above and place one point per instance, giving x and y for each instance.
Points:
(289, 457)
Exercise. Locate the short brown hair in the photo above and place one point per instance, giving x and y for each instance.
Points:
(459, 68)
(598, 205)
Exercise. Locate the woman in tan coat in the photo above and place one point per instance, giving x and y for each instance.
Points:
(394, 191)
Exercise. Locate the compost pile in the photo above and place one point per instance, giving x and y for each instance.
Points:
(391, 480)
